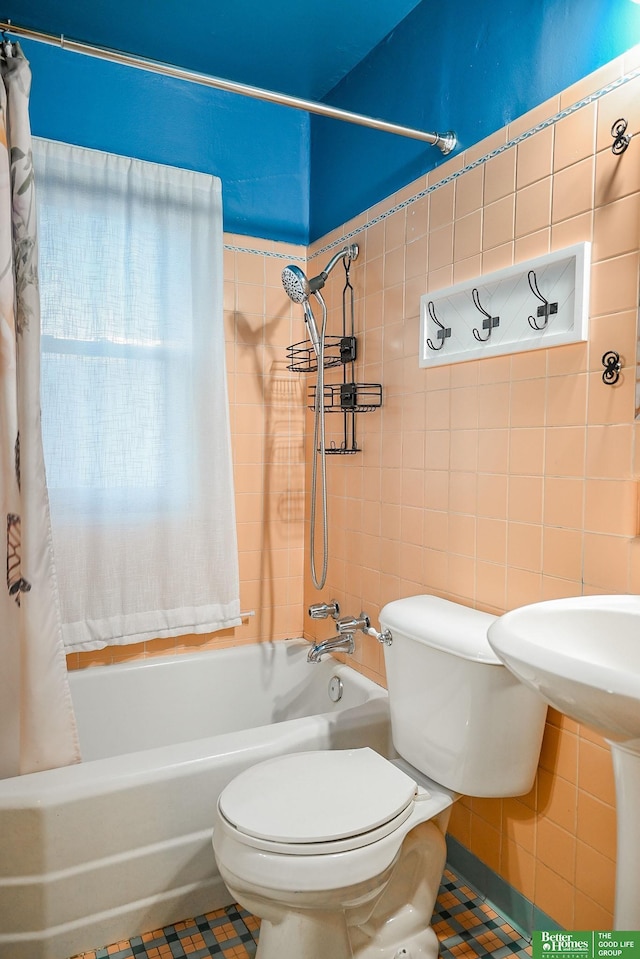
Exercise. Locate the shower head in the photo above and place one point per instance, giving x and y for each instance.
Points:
(296, 285)
(298, 289)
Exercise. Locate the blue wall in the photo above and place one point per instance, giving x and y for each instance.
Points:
(467, 66)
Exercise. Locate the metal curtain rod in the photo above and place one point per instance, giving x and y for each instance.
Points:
(445, 141)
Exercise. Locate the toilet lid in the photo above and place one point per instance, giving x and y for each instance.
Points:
(317, 797)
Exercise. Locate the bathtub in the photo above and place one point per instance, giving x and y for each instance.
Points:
(121, 843)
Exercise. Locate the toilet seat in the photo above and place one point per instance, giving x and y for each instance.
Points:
(277, 868)
(318, 802)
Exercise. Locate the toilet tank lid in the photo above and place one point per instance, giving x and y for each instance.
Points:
(443, 625)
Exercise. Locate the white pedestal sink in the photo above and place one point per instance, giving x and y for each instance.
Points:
(583, 656)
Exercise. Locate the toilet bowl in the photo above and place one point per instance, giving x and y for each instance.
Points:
(341, 853)
(316, 870)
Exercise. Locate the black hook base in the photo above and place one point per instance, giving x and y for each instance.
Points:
(620, 137)
(612, 366)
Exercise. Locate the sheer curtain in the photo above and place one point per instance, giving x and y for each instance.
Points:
(135, 409)
(37, 725)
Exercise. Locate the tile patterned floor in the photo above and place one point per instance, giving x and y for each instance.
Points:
(467, 927)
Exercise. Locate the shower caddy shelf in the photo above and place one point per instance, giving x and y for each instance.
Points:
(302, 356)
(347, 397)
(350, 397)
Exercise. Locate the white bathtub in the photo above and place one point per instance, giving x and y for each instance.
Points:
(121, 844)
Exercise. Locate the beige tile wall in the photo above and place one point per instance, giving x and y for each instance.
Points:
(513, 479)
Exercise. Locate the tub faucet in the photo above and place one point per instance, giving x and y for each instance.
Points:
(344, 642)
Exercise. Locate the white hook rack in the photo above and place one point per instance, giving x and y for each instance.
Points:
(530, 306)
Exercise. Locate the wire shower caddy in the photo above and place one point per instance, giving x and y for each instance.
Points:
(347, 397)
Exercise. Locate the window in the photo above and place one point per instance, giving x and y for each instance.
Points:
(134, 403)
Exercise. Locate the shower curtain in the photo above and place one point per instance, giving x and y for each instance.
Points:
(37, 726)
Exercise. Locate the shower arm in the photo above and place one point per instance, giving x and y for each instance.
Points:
(446, 142)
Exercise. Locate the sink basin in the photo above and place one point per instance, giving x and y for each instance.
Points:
(582, 655)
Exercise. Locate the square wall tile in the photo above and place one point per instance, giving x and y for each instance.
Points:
(468, 235)
(500, 176)
(614, 177)
(564, 502)
(575, 137)
(498, 223)
(440, 248)
(616, 228)
(562, 553)
(534, 157)
(469, 191)
(441, 206)
(533, 207)
(614, 285)
(573, 190)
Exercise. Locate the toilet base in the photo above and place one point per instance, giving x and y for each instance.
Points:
(321, 934)
(399, 925)
(387, 917)
(312, 935)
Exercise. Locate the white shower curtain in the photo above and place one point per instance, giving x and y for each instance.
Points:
(37, 726)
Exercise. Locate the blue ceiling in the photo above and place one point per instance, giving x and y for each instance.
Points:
(470, 66)
(299, 47)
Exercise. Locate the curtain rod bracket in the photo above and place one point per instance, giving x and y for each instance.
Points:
(446, 142)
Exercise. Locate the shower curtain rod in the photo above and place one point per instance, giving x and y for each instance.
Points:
(446, 142)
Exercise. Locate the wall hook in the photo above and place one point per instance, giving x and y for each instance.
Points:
(612, 366)
(547, 308)
(443, 332)
(489, 322)
(620, 137)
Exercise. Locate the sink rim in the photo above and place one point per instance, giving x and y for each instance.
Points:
(510, 638)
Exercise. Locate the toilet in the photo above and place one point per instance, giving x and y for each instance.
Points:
(341, 852)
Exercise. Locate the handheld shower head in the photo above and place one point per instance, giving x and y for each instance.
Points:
(298, 289)
(295, 284)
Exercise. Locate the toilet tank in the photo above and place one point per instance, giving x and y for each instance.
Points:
(457, 714)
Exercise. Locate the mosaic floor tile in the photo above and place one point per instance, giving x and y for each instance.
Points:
(467, 927)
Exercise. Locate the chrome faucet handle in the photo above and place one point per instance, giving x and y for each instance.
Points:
(324, 610)
(349, 624)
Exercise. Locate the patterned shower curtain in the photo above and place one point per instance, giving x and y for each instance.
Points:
(37, 725)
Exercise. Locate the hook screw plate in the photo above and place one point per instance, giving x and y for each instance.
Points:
(620, 137)
(612, 366)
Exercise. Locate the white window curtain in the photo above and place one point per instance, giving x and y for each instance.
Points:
(134, 398)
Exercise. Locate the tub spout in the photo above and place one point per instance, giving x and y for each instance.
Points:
(343, 643)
